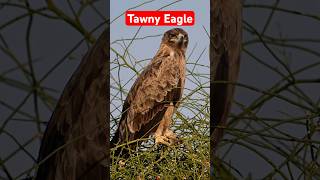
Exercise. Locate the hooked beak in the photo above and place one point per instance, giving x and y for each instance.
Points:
(180, 37)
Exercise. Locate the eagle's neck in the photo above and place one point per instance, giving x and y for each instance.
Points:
(173, 51)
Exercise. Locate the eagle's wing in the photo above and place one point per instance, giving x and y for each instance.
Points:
(153, 90)
(75, 138)
(225, 48)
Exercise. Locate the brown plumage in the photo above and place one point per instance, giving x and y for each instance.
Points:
(155, 95)
(225, 49)
(74, 143)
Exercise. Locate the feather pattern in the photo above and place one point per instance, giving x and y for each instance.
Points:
(74, 143)
(160, 83)
(225, 49)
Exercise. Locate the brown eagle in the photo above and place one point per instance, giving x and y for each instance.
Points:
(155, 95)
(74, 143)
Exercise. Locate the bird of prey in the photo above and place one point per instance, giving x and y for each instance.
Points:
(225, 49)
(155, 95)
(74, 144)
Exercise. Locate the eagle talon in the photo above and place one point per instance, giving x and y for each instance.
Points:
(162, 140)
(169, 138)
(173, 139)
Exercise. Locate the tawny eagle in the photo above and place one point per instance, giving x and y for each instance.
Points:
(155, 95)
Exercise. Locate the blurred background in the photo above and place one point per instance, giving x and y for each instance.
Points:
(273, 129)
(41, 44)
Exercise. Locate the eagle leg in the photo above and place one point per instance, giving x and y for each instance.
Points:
(164, 135)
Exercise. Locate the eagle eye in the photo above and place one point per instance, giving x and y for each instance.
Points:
(171, 35)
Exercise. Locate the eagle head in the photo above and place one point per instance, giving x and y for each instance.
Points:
(176, 38)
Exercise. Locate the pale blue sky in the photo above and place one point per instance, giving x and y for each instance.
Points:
(147, 48)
